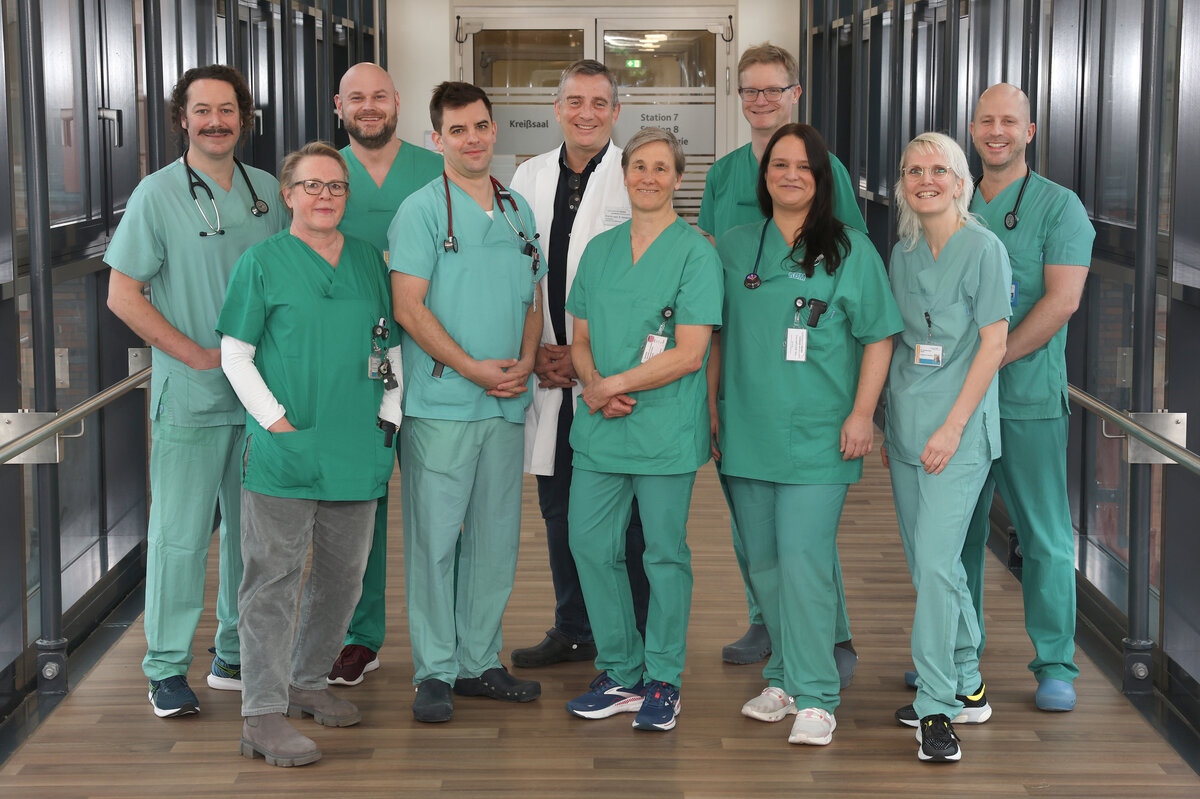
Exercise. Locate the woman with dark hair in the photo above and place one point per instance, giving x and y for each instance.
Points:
(803, 352)
(304, 343)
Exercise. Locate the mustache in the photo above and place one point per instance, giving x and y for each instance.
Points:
(222, 129)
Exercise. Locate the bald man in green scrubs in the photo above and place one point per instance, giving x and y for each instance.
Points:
(383, 171)
(1049, 238)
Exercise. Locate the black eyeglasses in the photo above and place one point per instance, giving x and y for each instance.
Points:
(772, 93)
(574, 182)
(337, 188)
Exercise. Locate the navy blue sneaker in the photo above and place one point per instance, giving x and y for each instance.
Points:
(173, 697)
(606, 698)
(659, 708)
(224, 676)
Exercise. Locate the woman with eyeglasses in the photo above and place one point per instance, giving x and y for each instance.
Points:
(798, 367)
(951, 279)
(304, 344)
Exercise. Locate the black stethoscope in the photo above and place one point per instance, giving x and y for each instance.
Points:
(752, 280)
(502, 194)
(1011, 219)
(258, 208)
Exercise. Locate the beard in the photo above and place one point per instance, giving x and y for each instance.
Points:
(372, 141)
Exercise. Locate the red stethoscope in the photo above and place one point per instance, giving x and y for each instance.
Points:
(502, 194)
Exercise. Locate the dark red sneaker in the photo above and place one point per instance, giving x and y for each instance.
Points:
(355, 661)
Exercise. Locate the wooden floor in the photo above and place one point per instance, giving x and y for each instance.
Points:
(105, 741)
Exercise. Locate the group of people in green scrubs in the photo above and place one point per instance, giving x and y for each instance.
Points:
(768, 351)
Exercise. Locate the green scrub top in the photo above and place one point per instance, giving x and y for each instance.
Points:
(731, 199)
(311, 326)
(158, 242)
(781, 420)
(623, 302)
(370, 208)
(964, 290)
(1053, 229)
(480, 294)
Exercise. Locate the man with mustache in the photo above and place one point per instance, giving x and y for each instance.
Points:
(184, 228)
(384, 170)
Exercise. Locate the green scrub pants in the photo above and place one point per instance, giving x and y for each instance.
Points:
(841, 631)
(598, 515)
(1031, 476)
(460, 486)
(933, 512)
(789, 535)
(367, 626)
(192, 470)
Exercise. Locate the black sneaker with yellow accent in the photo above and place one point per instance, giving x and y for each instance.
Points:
(939, 744)
(976, 710)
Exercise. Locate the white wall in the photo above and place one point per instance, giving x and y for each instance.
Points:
(421, 45)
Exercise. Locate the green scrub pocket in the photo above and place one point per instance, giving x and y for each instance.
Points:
(282, 460)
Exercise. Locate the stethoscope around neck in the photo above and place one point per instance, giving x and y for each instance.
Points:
(258, 207)
(752, 280)
(502, 194)
(1011, 219)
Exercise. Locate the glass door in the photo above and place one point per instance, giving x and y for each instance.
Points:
(672, 73)
(668, 76)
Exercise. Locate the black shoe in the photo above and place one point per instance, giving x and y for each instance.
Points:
(938, 741)
(752, 647)
(498, 684)
(554, 648)
(976, 710)
(433, 702)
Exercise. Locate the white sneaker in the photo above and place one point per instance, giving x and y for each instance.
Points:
(773, 704)
(813, 726)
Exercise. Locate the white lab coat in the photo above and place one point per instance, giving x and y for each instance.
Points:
(605, 205)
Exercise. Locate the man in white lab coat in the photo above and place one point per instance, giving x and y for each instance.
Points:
(577, 191)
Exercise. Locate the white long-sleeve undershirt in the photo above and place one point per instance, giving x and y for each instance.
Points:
(237, 361)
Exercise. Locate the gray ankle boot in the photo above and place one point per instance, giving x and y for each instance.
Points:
(277, 741)
(324, 706)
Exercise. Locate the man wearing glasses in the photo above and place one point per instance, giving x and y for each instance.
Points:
(576, 191)
(769, 88)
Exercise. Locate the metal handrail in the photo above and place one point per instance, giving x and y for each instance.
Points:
(1184, 457)
(68, 418)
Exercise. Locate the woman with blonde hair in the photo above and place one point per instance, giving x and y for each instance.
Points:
(951, 278)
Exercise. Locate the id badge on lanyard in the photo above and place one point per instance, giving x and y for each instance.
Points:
(656, 343)
(795, 347)
(928, 354)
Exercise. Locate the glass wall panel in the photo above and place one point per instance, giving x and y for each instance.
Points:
(532, 58)
(67, 117)
(1117, 131)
